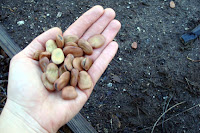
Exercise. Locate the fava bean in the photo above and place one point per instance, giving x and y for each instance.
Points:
(62, 81)
(97, 41)
(69, 93)
(52, 72)
(84, 81)
(86, 47)
(46, 83)
(68, 62)
(50, 46)
(57, 56)
(76, 51)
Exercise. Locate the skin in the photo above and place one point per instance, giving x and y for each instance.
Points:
(29, 106)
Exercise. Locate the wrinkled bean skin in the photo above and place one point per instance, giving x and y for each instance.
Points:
(77, 63)
(62, 81)
(84, 81)
(43, 63)
(36, 55)
(76, 51)
(71, 38)
(50, 46)
(86, 47)
(69, 93)
(74, 77)
(57, 56)
(68, 62)
(60, 41)
(71, 44)
(61, 70)
(45, 54)
(52, 72)
(86, 63)
(46, 83)
(97, 41)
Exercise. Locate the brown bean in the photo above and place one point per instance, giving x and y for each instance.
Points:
(71, 38)
(37, 54)
(97, 41)
(86, 47)
(43, 63)
(77, 63)
(46, 83)
(86, 63)
(61, 82)
(57, 56)
(69, 93)
(74, 77)
(45, 54)
(60, 41)
(52, 72)
(50, 46)
(61, 70)
(68, 62)
(71, 44)
(76, 51)
(84, 81)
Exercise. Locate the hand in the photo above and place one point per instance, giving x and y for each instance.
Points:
(30, 102)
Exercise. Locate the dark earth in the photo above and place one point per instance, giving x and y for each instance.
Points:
(139, 85)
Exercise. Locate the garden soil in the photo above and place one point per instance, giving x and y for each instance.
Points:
(139, 85)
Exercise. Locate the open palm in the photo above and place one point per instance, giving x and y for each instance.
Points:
(26, 93)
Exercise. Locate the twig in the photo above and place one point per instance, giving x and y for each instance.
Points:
(3, 90)
(8, 8)
(188, 83)
(164, 114)
(3, 100)
(192, 59)
(171, 117)
(138, 112)
(166, 109)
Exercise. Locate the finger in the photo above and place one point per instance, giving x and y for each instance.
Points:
(85, 21)
(39, 42)
(101, 63)
(100, 24)
(109, 33)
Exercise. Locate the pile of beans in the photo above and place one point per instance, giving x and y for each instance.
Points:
(64, 66)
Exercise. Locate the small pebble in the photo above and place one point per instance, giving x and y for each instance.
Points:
(165, 97)
(172, 4)
(109, 85)
(134, 45)
(20, 23)
(59, 15)
(186, 28)
(120, 59)
(139, 29)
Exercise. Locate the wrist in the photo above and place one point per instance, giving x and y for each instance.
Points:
(14, 119)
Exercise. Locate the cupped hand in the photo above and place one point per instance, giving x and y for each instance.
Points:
(28, 99)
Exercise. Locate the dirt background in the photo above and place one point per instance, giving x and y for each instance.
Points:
(139, 85)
